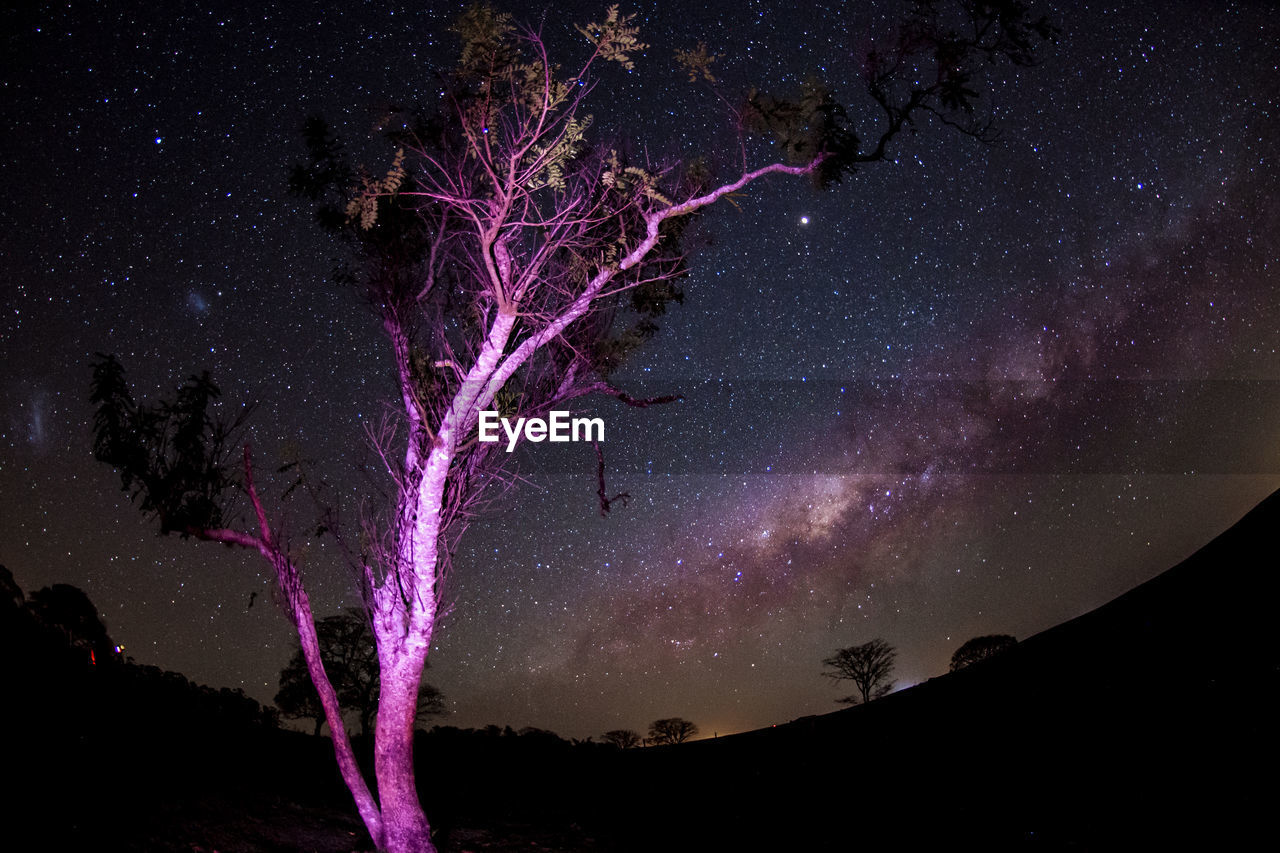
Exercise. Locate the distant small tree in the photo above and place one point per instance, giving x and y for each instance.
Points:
(981, 648)
(868, 666)
(671, 730)
(622, 738)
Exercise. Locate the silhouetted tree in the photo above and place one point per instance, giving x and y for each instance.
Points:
(868, 666)
(510, 263)
(173, 456)
(431, 703)
(622, 738)
(67, 610)
(11, 597)
(981, 648)
(671, 730)
(351, 658)
(296, 698)
(21, 637)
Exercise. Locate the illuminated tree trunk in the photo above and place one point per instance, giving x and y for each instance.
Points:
(347, 764)
(405, 826)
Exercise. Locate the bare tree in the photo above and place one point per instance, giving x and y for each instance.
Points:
(671, 730)
(981, 648)
(868, 666)
(510, 264)
(622, 738)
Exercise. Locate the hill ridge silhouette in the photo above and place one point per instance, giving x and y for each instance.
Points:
(1149, 718)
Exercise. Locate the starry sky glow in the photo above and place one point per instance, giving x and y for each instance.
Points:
(977, 389)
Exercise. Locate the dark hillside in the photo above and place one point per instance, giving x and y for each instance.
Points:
(1149, 719)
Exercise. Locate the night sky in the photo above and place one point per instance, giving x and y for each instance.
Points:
(978, 389)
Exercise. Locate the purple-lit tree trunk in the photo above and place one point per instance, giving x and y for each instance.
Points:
(511, 301)
(526, 223)
(298, 605)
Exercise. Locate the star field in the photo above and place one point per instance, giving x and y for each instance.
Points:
(976, 389)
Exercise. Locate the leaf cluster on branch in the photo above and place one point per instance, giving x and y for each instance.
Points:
(173, 455)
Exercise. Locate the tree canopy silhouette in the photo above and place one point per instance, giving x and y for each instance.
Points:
(11, 596)
(67, 611)
(868, 666)
(512, 262)
(981, 648)
(622, 738)
(172, 456)
(671, 730)
(350, 656)
(296, 697)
